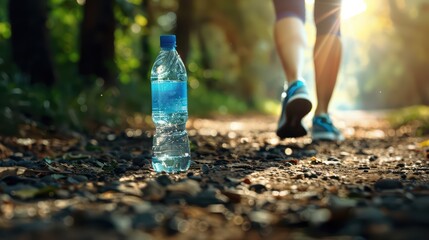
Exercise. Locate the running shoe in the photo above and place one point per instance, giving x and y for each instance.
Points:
(295, 105)
(324, 130)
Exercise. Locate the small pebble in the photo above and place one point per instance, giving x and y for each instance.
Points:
(400, 165)
(387, 184)
(205, 169)
(247, 181)
(258, 188)
(163, 180)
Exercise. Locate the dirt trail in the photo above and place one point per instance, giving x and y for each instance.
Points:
(244, 183)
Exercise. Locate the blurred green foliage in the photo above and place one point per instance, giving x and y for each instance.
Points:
(84, 102)
(417, 115)
(388, 54)
(232, 64)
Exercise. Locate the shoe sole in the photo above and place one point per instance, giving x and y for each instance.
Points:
(295, 111)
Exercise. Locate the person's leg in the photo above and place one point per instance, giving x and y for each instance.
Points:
(327, 50)
(327, 57)
(290, 36)
(290, 41)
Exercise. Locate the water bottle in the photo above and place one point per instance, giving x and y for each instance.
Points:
(171, 151)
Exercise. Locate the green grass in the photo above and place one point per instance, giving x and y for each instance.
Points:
(415, 115)
(85, 104)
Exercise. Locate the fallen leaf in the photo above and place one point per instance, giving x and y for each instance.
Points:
(25, 193)
(72, 156)
(424, 144)
(31, 192)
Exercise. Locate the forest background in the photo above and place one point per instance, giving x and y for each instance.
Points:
(82, 64)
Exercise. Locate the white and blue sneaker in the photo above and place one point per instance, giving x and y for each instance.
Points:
(295, 105)
(324, 130)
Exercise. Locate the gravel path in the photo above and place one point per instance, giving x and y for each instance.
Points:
(244, 183)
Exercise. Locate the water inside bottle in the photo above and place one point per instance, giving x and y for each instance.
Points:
(169, 102)
(171, 164)
(169, 113)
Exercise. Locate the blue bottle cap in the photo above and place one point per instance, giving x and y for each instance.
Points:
(168, 41)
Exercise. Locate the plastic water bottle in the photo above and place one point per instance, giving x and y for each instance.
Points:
(171, 151)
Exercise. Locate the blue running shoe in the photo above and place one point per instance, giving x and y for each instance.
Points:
(324, 130)
(295, 105)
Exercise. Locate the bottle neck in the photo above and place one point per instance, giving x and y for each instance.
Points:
(165, 49)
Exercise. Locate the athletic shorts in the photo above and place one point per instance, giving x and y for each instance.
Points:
(326, 13)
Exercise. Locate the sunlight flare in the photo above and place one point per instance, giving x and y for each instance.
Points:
(351, 8)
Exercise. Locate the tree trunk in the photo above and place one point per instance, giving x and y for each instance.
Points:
(30, 40)
(417, 67)
(146, 60)
(97, 49)
(420, 74)
(184, 27)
